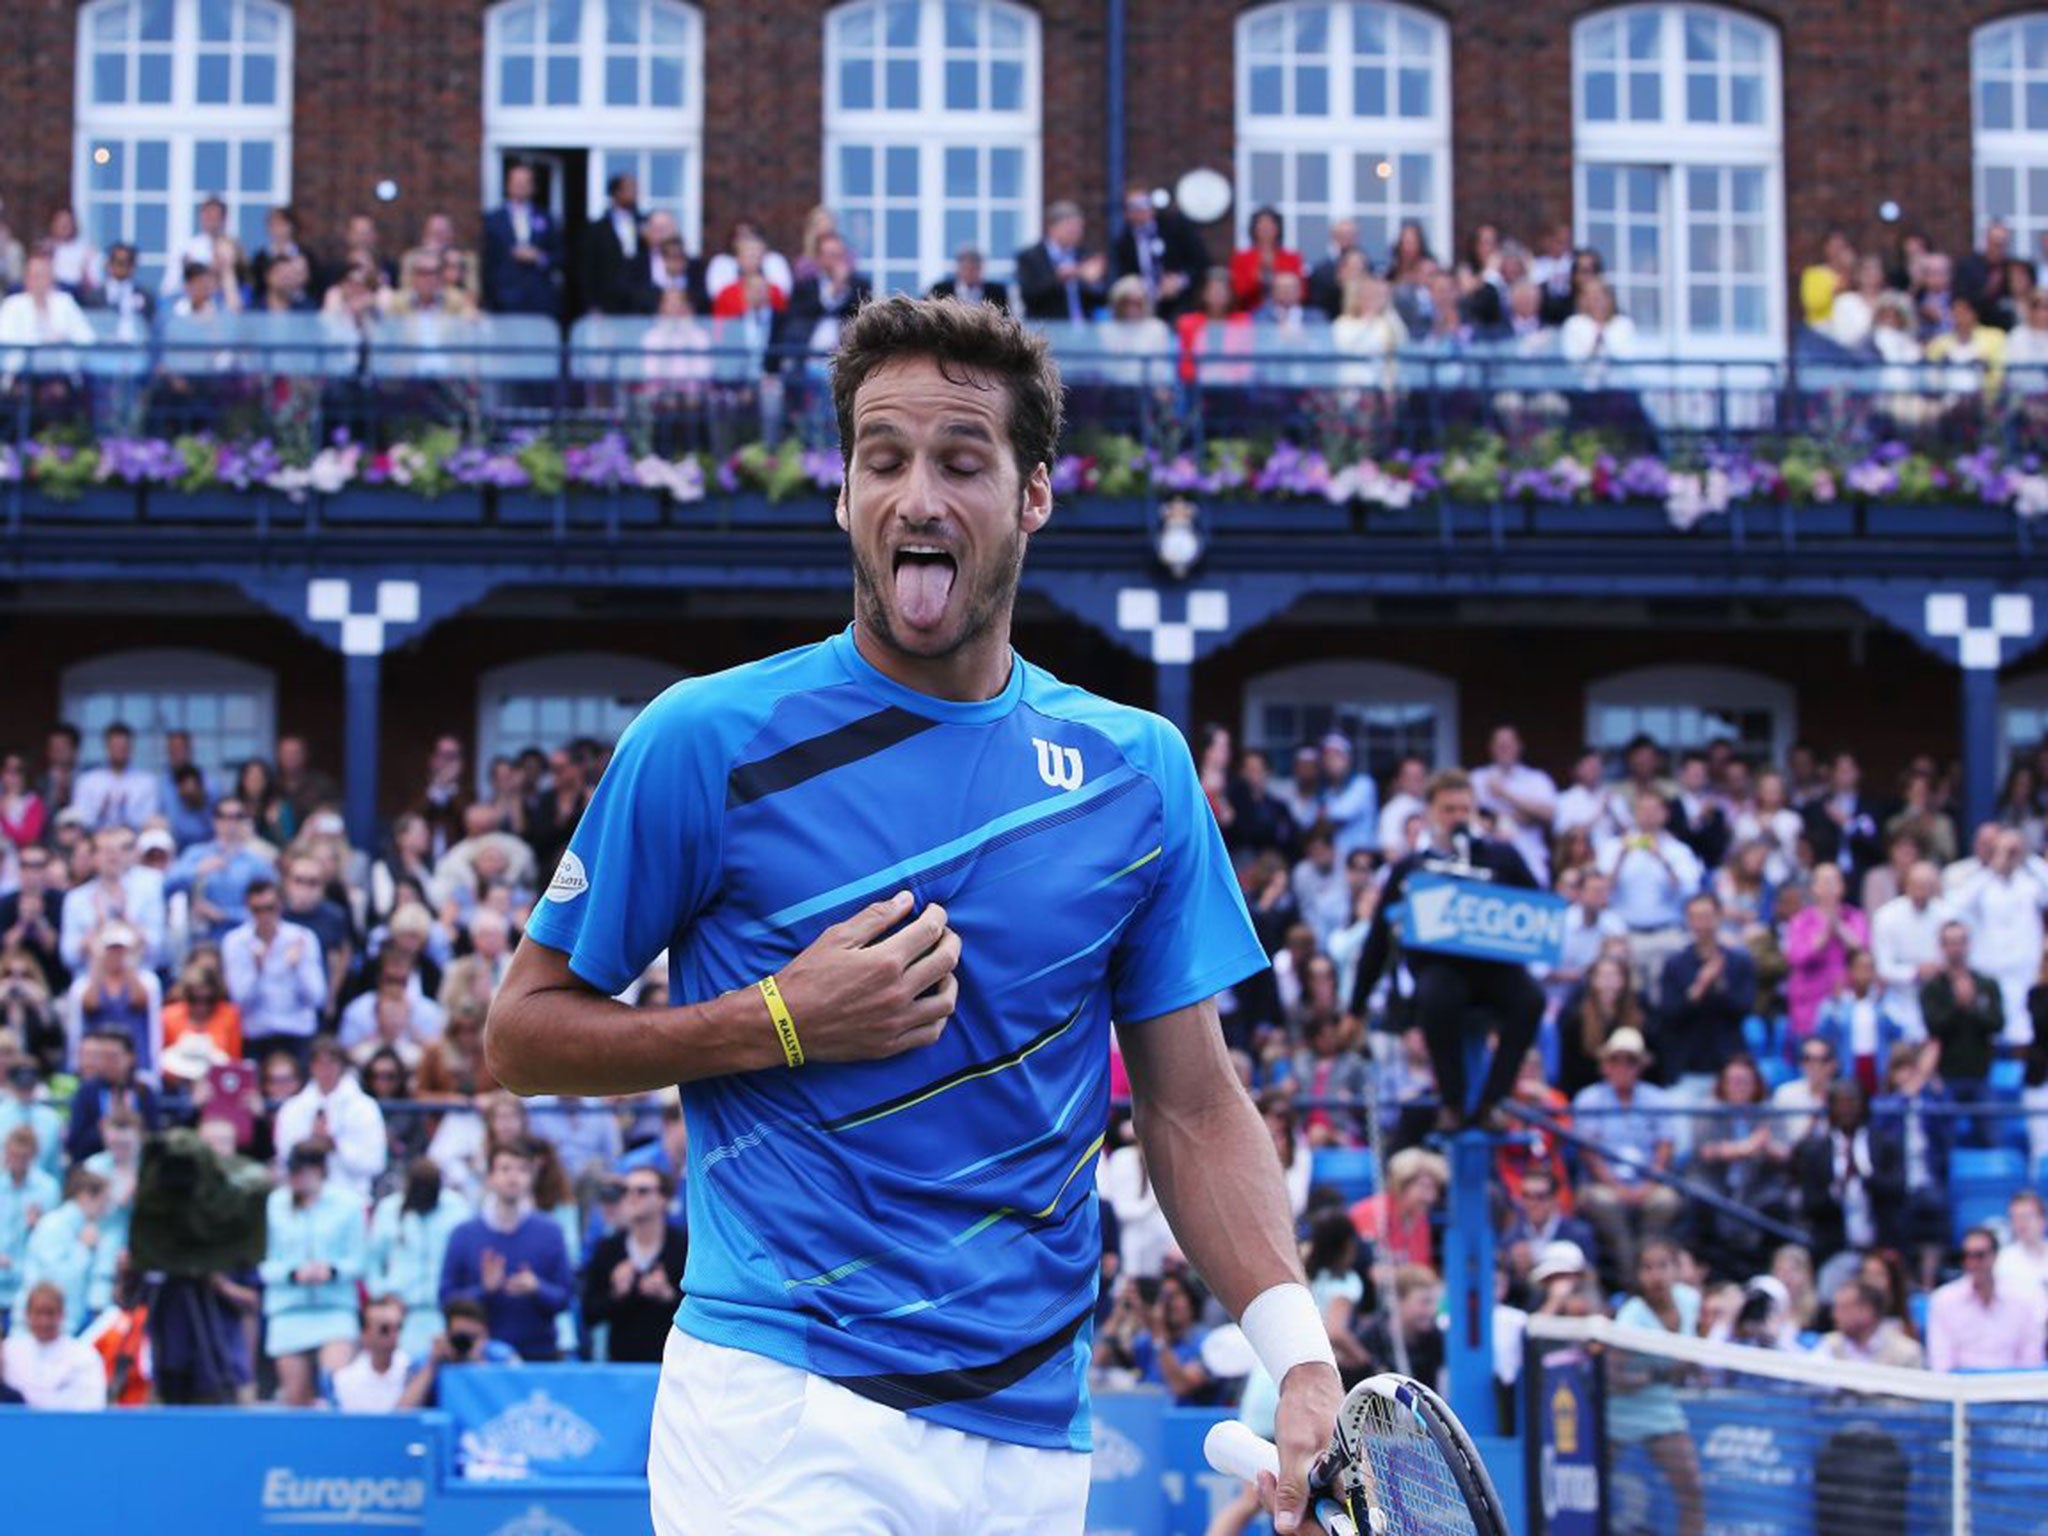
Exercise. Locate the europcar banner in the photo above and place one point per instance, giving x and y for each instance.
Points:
(1478, 920)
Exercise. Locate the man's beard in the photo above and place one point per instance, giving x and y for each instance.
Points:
(988, 600)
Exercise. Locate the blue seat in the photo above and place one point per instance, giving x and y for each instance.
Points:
(1348, 1170)
(1981, 1166)
(1916, 1308)
(1976, 1206)
(2008, 1076)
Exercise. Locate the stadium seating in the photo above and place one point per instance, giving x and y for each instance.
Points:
(1348, 1170)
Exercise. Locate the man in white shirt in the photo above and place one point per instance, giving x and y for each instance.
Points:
(1654, 874)
(1805, 1098)
(276, 975)
(375, 1379)
(120, 892)
(1905, 941)
(196, 249)
(1404, 808)
(1588, 925)
(46, 1366)
(1584, 802)
(333, 1105)
(2002, 905)
(2023, 1262)
(1959, 874)
(1522, 799)
(117, 793)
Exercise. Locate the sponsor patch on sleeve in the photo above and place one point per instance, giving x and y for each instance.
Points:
(569, 882)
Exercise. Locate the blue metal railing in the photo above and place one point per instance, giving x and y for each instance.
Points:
(721, 383)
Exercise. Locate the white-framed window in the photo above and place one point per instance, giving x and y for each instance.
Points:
(178, 101)
(2022, 719)
(548, 701)
(229, 706)
(932, 134)
(1678, 150)
(1684, 707)
(1344, 111)
(2009, 127)
(623, 78)
(1388, 711)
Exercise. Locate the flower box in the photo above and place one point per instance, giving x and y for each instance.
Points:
(1818, 520)
(1625, 519)
(1953, 520)
(522, 509)
(394, 506)
(96, 504)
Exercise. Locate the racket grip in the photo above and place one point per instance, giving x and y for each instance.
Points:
(1235, 1451)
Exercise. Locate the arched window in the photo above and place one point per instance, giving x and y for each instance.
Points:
(931, 133)
(2009, 127)
(551, 700)
(178, 101)
(1387, 711)
(1677, 144)
(229, 706)
(622, 78)
(1682, 707)
(1345, 111)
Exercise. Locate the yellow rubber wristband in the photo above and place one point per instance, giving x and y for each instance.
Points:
(785, 1026)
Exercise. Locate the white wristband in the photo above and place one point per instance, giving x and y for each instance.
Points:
(1285, 1328)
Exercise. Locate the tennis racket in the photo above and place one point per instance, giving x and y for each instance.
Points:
(1399, 1464)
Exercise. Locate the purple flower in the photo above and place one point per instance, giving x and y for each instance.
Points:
(825, 468)
(243, 465)
(604, 465)
(729, 476)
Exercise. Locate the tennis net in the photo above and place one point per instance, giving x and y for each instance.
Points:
(1642, 1432)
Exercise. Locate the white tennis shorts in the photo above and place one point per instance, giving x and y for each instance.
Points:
(743, 1444)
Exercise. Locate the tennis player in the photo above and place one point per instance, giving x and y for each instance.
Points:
(906, 880)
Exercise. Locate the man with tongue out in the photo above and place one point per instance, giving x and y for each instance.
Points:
(906, 882)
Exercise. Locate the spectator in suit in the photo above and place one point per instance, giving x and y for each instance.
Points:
(1160, 248)
(1254, 267)
(615, 255)
(1326, 282)
(1964, 1015)
(1706, 991)
(969, 284)
(635, 1274)
(1540, 1219)
(820, 303)
(665, 265)
(522, 252)
(1284, 310)
(1911, 1137)
(1843, 824)
(121, 294)
(1059, 278)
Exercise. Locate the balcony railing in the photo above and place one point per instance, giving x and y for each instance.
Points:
(714, 386)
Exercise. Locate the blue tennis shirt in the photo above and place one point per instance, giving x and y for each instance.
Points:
(923, 1229)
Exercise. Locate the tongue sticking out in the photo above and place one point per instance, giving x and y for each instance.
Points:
(922, 587)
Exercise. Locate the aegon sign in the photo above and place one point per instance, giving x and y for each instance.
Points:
(1480, 921)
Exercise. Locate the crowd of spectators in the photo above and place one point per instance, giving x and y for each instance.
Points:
(1783, 992)
(176, 951)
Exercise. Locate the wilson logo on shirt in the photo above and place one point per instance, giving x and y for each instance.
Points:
(1059, 766)
(570, 881)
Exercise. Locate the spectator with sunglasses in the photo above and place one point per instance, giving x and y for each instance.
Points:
(217, 874)
(30, 915)
(635, 1275)
(375, 1380)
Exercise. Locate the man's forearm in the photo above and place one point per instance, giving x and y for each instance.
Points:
(566, 1039)
(1223, 1194)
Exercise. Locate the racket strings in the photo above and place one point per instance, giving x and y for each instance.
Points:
(1400, 1473)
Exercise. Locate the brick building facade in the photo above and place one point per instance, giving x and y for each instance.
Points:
(1876, 99)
